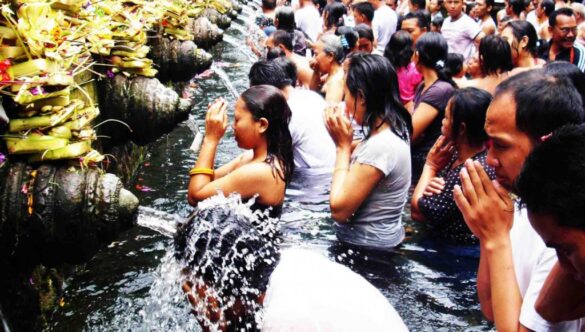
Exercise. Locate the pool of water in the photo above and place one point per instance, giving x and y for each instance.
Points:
(431, 284)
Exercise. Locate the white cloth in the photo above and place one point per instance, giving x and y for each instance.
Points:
(532, 19)
(309, 21)
(383, 26)
(312, 144)
(460, 34)
(308, 292)
(532, 264)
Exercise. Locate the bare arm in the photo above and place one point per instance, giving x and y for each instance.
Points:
(350, 185)
(422, 118)
(428, 184)
(484, 291)
(562, 297)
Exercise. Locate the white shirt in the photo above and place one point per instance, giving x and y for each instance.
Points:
(312, 144)
(383, 26)
(309, 21)
(460, 34)
(532, 264)
(308, 292)
(532, 19)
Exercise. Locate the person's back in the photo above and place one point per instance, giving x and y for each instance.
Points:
(383, 25)
(312, 145)
(308, 292)
(309, 21)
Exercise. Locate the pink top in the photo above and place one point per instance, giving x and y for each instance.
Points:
(408, 79)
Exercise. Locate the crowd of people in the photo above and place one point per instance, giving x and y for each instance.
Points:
(474, 115)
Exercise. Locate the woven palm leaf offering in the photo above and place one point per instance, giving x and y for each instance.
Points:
(43, 55)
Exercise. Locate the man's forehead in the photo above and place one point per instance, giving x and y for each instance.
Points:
(501, 115)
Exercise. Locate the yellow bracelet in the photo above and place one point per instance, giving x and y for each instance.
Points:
(206, 171)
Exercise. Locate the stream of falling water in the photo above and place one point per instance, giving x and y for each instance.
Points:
(131, 284)
(5, 326)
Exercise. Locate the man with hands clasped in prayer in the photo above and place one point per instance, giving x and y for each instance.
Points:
(514, 261)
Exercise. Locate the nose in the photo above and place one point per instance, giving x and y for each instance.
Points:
(491, 159)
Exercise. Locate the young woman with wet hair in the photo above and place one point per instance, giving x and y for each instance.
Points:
(261, 121)
(431, 96)
(370, 184)
(399, 51)
(330, 52)
(333, 17)
(495, 60)
(523, 41)
(462, 137)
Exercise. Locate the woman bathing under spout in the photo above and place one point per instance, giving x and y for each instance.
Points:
(261, 125)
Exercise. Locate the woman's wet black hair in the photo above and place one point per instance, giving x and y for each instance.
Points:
(373, 77)
(364, 31)
(267, 101)
(286, 18)
(350, 35)
(469, 106)
(552, 181)
(570, 71)
(454, 64)
(365, 8)
(335, 12)
(420, 4)
(524, 28)
(432, 53)
(543, 103)
(399, 49)
(215, 244)
(495, 55)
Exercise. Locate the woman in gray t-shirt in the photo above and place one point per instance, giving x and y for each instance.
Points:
(370, 184)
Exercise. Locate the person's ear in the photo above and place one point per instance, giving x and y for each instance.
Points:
(462, 129)
(282, 47)
(262, 125)
(361, 97)
(523, 42)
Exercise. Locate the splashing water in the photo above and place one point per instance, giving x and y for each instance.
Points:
(4, 321)
(159, 221)
(226, 80)
(228, 252)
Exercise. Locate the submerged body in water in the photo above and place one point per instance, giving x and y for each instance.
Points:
(237, 277)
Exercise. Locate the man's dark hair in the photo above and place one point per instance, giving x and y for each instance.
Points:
(567, 70)
(269, 72)
(419, 4)
(469, 106)
(399, 49)
(269, 4)
(364, 31)
(548, 6)
(284, 38)
(274, 53)
(552, 19)
(490, 3)
(495, 55)
(518, 6)
(423, 19)
(364, 8)
(543, 103)
(289, 68)
(552, 181)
